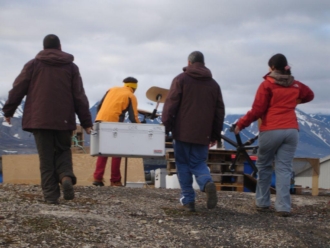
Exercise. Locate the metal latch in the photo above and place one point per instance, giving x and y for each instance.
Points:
(114, 132)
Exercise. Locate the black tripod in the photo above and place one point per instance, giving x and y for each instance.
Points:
(241, 149)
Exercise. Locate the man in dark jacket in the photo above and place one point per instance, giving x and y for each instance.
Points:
(194, 113)
(54, 94)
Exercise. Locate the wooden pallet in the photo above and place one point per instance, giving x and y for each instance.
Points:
(214, 156)
(229, 187)
(170, 166)
(230, 178)
(214, 167)
(223, 167)
(219, 162)
(170, 154)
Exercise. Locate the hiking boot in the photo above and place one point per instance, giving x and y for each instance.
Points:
(211, 195)
(116, 184)
(67, 188)
(189, 207)
(261, 209)
(52, 202)
(98, 183)
(283, 214)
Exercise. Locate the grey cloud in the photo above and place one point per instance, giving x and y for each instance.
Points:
(152, 39)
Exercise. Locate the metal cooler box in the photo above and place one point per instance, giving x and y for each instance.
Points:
(127, 140)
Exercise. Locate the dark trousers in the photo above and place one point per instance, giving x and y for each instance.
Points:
(54, 149)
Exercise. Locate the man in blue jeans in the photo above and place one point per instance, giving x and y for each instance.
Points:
(194, 113)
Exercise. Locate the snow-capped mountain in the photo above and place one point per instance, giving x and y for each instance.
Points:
(19, 110)
(314, 133)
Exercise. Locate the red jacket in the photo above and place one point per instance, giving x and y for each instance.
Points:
(275, 104)
(54, 93)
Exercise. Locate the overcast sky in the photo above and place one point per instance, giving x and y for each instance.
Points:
(151, 40)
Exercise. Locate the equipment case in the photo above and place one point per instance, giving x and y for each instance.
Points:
(127, 140)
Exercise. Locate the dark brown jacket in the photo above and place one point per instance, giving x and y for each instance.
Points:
(194, 110)
(54, 93)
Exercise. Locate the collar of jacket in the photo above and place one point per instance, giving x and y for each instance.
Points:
(54, 57)
(198, 70)
(280, 79)
(128, 88)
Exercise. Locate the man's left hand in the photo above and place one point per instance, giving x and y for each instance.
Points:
(88, 130)
(212, 143)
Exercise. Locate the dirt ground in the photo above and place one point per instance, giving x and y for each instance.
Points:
(148, 217)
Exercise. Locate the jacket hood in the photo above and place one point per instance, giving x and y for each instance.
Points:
(198, 70)
(54, 57)
(284, 80)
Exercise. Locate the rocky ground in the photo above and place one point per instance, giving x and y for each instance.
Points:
(147, 217)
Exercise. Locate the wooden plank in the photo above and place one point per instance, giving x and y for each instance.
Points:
(298, 189)
(24, 169)
(171, 171)
(227, 178)
(229, 187)
(168, 144)
(315, 178)
(170, 154)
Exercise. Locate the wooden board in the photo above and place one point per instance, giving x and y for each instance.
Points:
(154, 91)
(229, 187)
(24, 169)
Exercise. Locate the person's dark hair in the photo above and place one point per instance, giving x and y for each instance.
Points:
(196, 57)
(130, 80)
(279, 63)
(51, 41)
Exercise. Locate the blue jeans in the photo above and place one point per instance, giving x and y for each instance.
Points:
(281, 146)
(190, 159)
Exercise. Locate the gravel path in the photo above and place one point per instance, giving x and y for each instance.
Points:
(131, 217)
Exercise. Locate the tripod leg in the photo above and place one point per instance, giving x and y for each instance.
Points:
(248, 159)
(232, 167)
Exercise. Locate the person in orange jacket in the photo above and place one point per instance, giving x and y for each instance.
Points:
(112, 108)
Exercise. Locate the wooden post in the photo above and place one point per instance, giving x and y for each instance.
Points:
(125, 175)
(315, 164)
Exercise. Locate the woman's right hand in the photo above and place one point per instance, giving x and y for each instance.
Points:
(237, 130)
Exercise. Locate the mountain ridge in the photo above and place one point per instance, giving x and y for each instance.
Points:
(314, 133)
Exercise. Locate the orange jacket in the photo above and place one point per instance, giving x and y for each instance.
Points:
(275, 105)
(116, 102)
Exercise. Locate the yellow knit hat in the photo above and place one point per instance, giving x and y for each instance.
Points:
(130, 82)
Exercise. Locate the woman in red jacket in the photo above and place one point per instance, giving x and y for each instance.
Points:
(275, 103)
